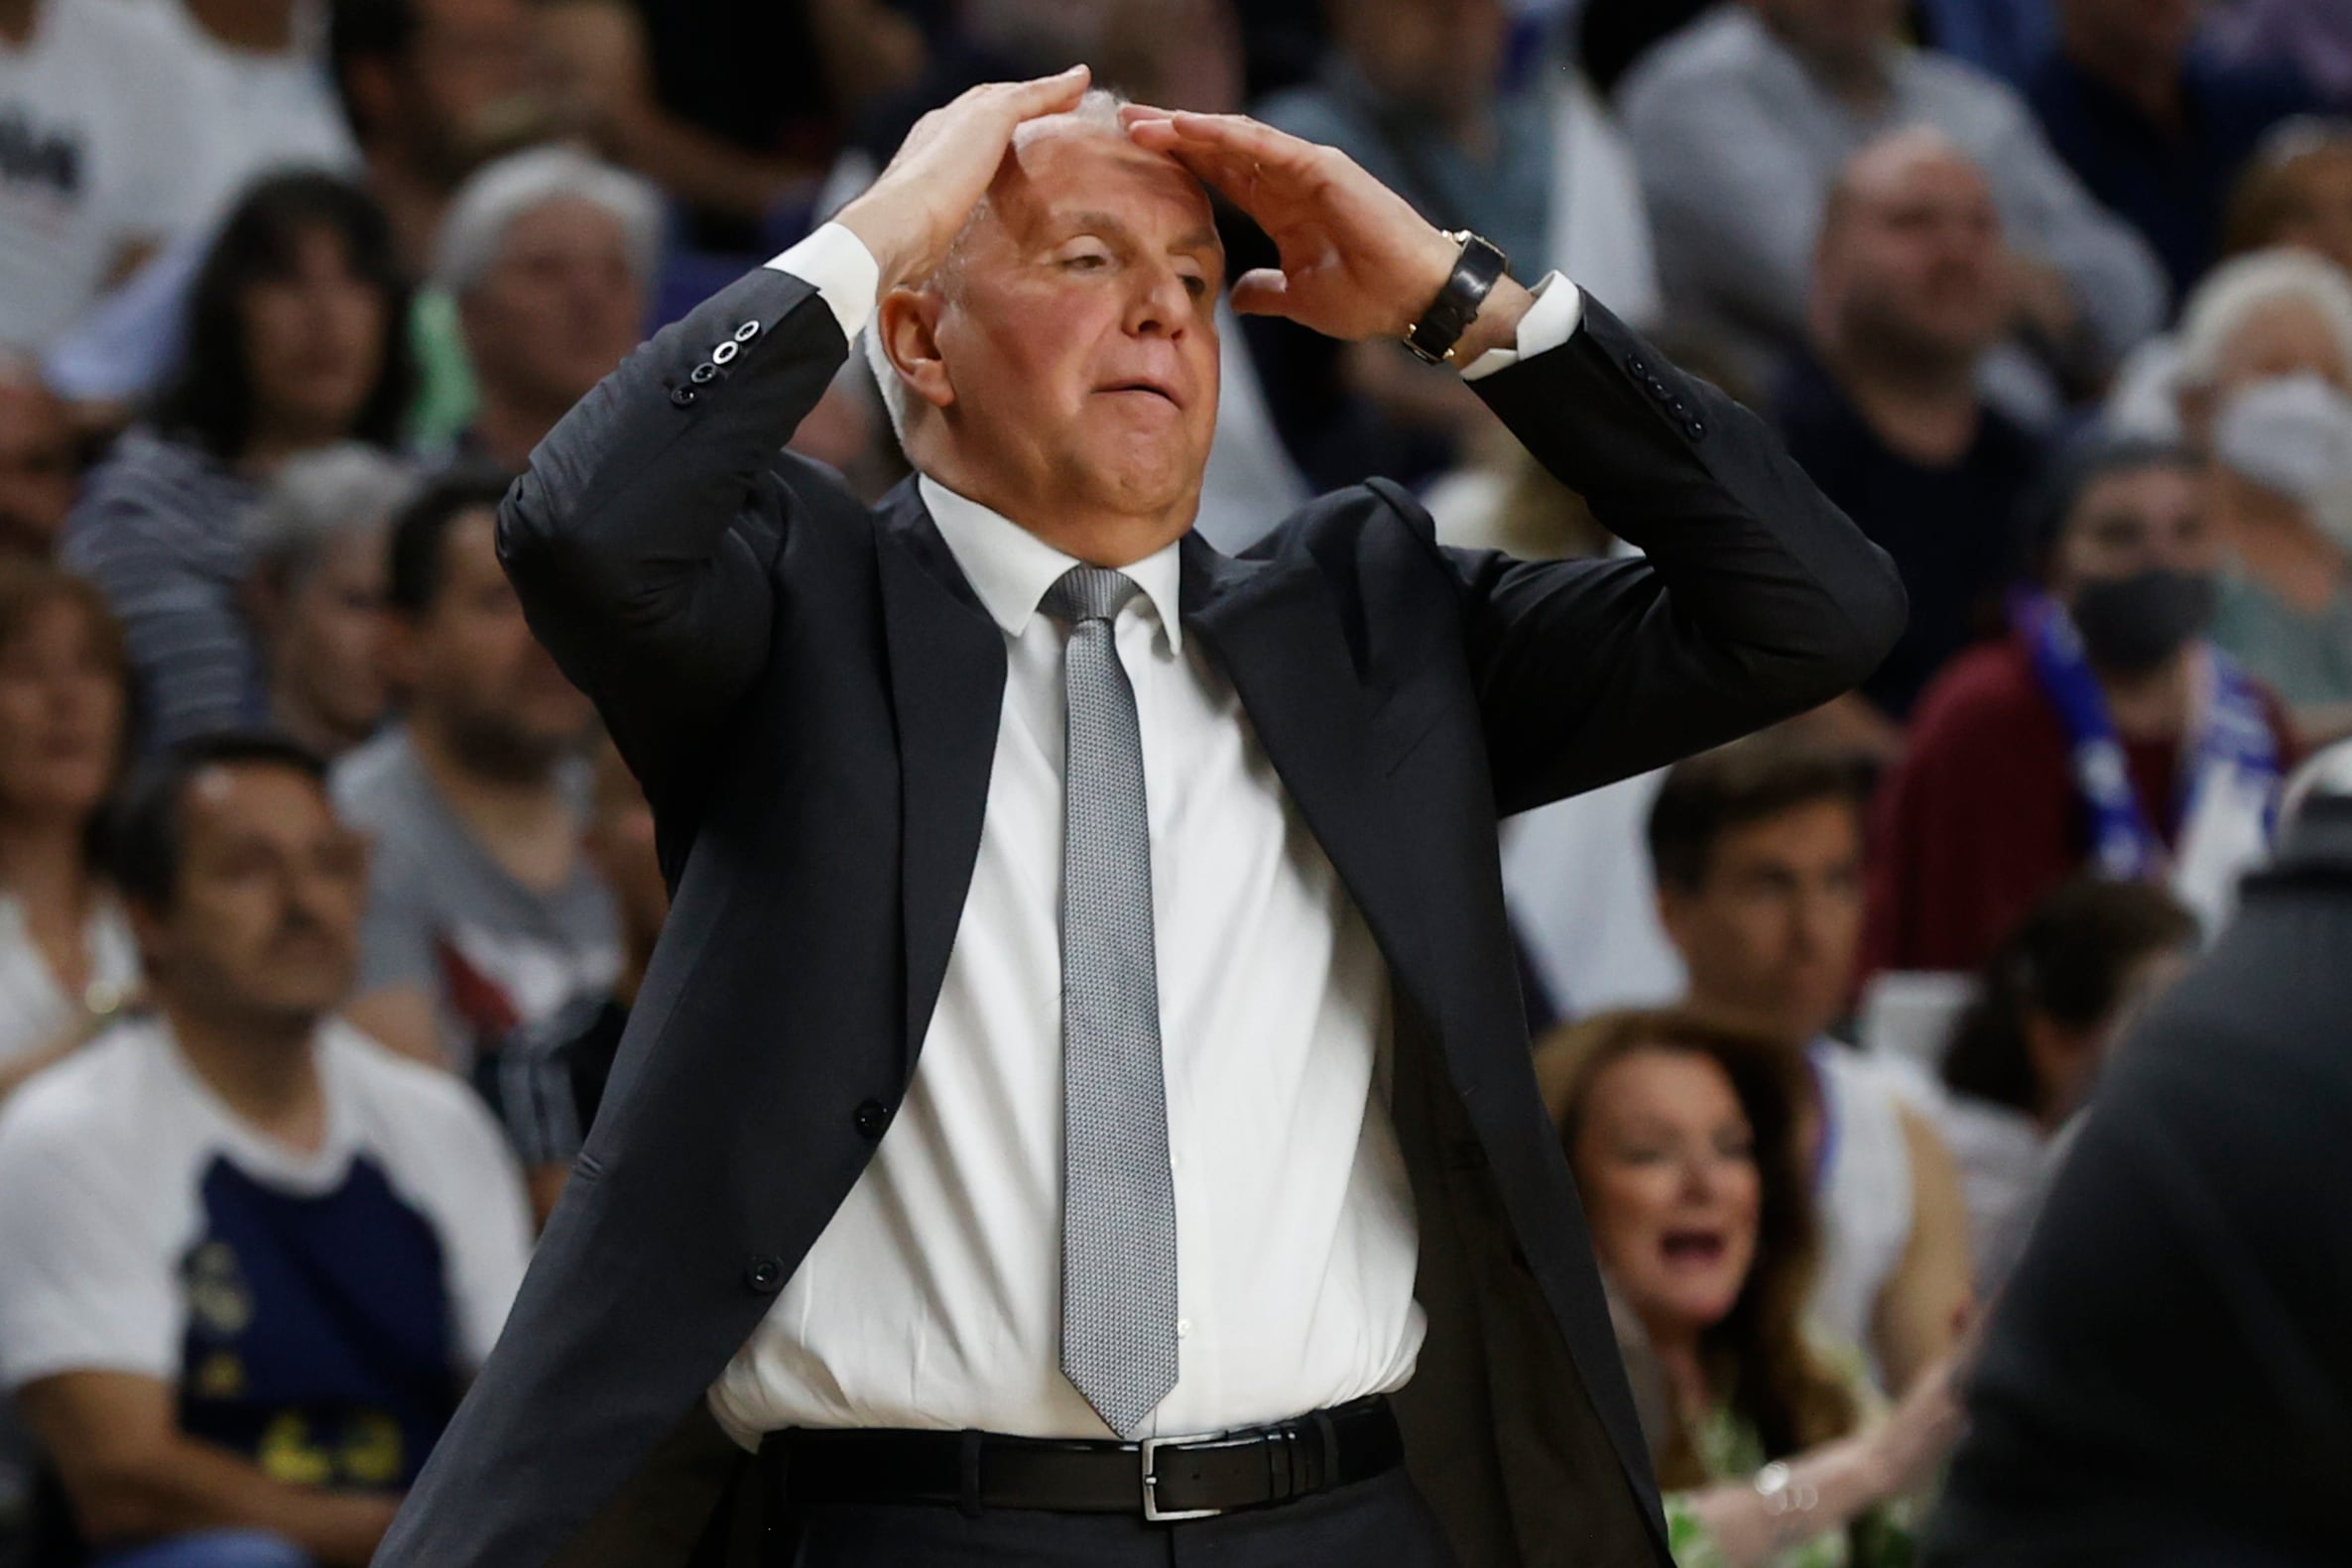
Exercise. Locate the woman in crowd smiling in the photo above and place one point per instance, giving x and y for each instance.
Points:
(1684, 1140)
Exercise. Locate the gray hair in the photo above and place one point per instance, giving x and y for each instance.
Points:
(1098, 109)
(2238, 290)
(320, 497)
(495, 195)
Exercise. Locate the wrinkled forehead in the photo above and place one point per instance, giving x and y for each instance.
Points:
(1063, 170)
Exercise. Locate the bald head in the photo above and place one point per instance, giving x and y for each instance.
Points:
(1064, 359)
(1910, 258)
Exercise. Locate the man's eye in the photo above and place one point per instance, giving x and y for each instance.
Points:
(1091, 261)
(1196, 285)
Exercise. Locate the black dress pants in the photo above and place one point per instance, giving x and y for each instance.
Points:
(1378, 1523)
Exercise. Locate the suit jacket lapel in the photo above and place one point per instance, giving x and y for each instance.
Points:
(1274, 631)
(946, 682)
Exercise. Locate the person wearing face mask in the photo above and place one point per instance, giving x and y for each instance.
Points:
(2266, 390)
(2107, 734)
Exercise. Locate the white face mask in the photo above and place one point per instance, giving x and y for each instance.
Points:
(2289, 433)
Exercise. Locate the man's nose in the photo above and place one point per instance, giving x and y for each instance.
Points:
(1161, 304)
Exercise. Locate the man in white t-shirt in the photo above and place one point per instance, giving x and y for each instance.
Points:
(102, 139)
(249, 1257)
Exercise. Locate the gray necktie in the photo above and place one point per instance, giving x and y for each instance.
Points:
(1118, 1215)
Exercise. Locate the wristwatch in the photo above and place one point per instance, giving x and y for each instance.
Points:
(1475, 273)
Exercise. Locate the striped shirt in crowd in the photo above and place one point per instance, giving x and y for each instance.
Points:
(161, 529)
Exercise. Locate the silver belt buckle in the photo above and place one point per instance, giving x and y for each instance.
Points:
(1152, 1510)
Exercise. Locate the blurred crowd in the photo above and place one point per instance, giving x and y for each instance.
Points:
(322, 905)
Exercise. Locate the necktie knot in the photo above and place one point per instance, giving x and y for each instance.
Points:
(1088, 593)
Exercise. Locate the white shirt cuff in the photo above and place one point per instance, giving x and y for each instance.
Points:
(1550, 321)
(845, 275)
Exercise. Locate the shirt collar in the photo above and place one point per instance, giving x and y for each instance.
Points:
(1011, 568)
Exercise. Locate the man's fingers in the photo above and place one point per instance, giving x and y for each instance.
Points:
(1049, 94)
(1237, 135)
(1262, 291)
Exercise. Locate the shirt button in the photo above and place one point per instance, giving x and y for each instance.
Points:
(747, 331)
(701, 374)
(872, 1117)
(1184, 1327)
(764, 1274)
(682, 397)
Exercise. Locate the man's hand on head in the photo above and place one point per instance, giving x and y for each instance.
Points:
(1357, 261)
(910, 216)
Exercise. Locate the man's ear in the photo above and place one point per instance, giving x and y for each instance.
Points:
(908, 321)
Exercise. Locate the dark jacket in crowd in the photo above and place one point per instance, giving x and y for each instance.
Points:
(2167, 1382)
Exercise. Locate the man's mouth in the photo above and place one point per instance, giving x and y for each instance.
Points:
(1154, 388)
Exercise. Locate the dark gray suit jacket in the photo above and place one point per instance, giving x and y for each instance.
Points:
(810, 692)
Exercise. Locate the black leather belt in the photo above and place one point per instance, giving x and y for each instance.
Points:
(1161, 1479)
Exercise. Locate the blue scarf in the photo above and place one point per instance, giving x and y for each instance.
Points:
(2235, 735)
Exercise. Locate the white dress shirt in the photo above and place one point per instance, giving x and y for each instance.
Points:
(932, 1297)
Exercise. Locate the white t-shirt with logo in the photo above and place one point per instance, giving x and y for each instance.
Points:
(146, 1229)
(103, 145)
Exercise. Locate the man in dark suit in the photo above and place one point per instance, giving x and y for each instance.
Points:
(2167, 1380)
(1221, 1218)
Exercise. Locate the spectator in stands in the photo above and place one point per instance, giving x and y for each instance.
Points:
(2297, 190)
(66, 959)
(2051, 1003)
(434, 88)
(1758, 850)
(2106, 734)
(1688, 1139)
(2266, 389)
(483, 914)
(550, 259)
(316, 593)
(2313, 36)
(1742, 121)
(548, 1080)
(2156, 129)
(40, 463)
(1909, 294)
(1415, 91)
(295, 343)
(270, 102)
(251, 1256)
(106, 139)
(265, 106)
(737, 135)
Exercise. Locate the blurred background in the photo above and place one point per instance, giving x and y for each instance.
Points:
(2052, 296)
